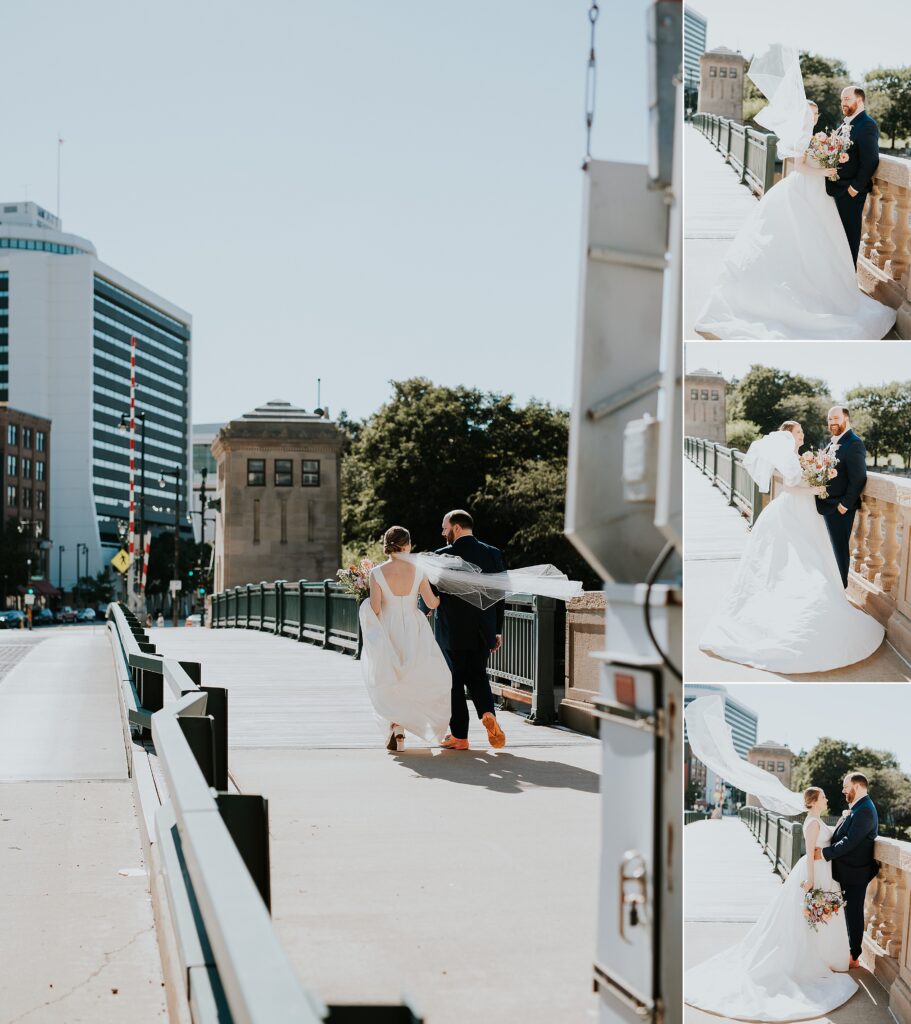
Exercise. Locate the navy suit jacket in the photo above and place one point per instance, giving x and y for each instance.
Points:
(461, 626)
(851, 477)
(863, 159)
(851, 852)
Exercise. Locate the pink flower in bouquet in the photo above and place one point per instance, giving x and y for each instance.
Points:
(833, 473)
(843, 158)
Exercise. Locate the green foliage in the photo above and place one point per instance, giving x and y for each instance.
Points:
(15, 548)
(741, 434)
(353, 553)
(756, 397)
(823, 79)
(810, 412)
(92, 590)
(882, 416)
(430, 449)
(193, 558)
(830, 760)
(889, 100)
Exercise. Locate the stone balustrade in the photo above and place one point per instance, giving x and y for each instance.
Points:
(585, 620)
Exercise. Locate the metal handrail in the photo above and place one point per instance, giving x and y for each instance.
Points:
(258, 980)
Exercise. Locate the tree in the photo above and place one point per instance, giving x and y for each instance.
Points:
(889, 100)
(741, 434)
(430, 449)
(757, 395)
(882, 416)
(823, 80)
(810, 411)
(15, 549)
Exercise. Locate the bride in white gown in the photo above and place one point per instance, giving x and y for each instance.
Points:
(786, 609)
(781, 970)
(789, 273)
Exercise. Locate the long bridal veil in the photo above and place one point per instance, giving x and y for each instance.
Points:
(774, 452)
(453, 575)
(776, 73)
(711, 741)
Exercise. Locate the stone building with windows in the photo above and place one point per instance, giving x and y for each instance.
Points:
(278, 486)
(25, 443)
(774, 758)
(705, 405)
(721, 74)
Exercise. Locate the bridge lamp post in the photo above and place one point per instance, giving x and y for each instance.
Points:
(175, 608)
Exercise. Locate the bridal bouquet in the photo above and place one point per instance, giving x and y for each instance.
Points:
(818, 469)
(820, 906)
(830, 149)
(355, 579)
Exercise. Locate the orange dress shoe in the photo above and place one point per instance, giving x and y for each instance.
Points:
(452, 743)
(495, 734)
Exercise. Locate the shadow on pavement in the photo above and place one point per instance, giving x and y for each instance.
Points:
(502, 773)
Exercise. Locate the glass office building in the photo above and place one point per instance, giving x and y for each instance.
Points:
(694, 36)
(67, 319)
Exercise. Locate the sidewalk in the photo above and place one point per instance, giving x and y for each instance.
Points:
(728, 883)
(715, 205)
(715, 534)
(467, 879)
(78, 942)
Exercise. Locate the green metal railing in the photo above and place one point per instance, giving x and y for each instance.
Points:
(213, 847)
(724, 467)
(525, 670)
(781, 837)
(690, 816)
(750, 152)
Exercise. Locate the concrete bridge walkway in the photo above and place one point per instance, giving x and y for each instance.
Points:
(78, 940)
(467, 879)
(728, 883)
(715, 534)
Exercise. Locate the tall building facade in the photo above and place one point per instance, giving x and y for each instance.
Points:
(721, 83)
(25, 472)
(67, 358)
(705, 405)
(695, 28)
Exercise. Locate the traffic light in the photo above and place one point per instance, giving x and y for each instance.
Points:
(190, 574)
(201, 591)
(31, 590)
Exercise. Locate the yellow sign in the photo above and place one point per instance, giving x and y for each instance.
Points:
(121, 561)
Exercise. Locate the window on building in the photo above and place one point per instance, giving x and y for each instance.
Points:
(732, 73)
(26, 437)
(39, 527)
(26, 497)
(722, 72)
(310, 473)
(714, 396)
(27, 468)
(283, 472)
(284, 522)
(12, 495)
(256, 518)
(256, 472)
(39, 469)
(781, 766)
(713, 71)
(39, 500)
(12, 465)
(12, 433)
(705, 394)
(694, 392)
(760, 764)
(40, 440)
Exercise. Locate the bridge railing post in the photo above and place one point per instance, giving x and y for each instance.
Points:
(768, 171)
(542, 694)
(327, 612)
(249, 603)
(279, 606)
(262, 605)
(301, 604)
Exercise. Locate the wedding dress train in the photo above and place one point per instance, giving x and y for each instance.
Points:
(781, 970)
(789, 274)
(786, 609)
(406, 675)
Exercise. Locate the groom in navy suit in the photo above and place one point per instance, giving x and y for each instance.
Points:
(469, 635)
(843, 492)
(851, 854)
(855, 178)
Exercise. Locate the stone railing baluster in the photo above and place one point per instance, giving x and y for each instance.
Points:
(859, 538)
(885, 246)
(874, 560)
(891, 547)
(901, 257)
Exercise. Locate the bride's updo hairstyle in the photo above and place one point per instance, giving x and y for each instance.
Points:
(395, 539)
(811, 795)
(790, 426)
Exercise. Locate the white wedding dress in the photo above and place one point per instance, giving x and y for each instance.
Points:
(406, 675)
(786, 609)
(781, 970)
(788, 274)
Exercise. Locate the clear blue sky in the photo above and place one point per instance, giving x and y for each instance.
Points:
(837, 28)
(350, 190)
(798, 714)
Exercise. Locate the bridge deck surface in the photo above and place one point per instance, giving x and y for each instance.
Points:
(728, 881)
(78, 941)
(468, 880)
(715, 534)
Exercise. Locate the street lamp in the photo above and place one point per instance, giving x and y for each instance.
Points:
(60, 551)
(80, 547)
(124, 425)
(175, 609)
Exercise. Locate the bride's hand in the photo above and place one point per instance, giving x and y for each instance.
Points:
(832, 172)
(806, 886)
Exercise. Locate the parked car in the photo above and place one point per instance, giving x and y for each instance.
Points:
(43, 617)
(101, 610)
(11, 619)
(66, 614)
(85, 615)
